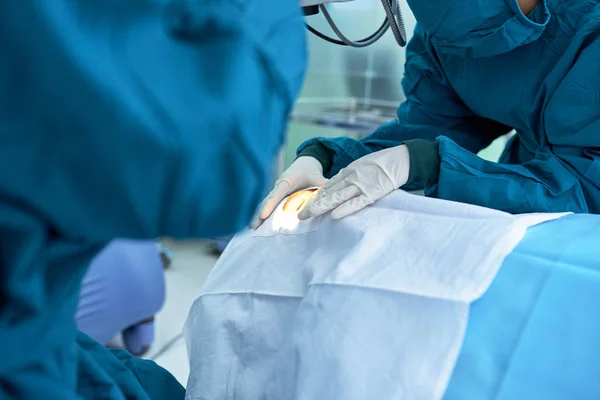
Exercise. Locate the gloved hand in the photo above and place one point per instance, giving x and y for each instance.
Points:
(303, 173)
(361, 183)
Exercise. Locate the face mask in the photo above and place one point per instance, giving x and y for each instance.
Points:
(478, 28)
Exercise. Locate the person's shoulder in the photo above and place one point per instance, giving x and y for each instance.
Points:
(420, 42)
(572, 18)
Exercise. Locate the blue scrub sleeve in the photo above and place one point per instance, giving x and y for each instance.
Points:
(543, 184)
(145, 119)
(562, 172)
(114, 374)
(431, 109)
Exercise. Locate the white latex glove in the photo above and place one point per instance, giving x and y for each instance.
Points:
(303, 173)
(361, 183)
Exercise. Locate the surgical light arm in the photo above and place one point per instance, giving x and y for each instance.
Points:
(392, 20)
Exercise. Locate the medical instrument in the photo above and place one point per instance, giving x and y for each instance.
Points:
(393, 20)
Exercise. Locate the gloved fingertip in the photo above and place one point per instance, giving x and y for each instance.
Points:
(304, 214)
(256, 224)
(265, 213)
(337, 215)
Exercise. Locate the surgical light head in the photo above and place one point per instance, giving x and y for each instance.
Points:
(393, 20)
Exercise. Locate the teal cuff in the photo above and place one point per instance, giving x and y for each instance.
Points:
(321, 153)
(424, 162)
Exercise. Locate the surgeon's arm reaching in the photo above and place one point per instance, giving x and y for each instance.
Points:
(466, 85)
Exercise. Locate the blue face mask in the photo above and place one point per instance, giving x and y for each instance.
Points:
(478, 28)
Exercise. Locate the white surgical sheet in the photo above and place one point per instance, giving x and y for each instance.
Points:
(373, 306)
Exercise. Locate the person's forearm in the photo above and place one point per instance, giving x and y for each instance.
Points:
(543, 184)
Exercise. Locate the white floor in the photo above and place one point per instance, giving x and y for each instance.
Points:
(192, 263)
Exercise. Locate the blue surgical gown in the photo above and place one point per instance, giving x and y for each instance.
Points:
(475, 70)
(141, 119)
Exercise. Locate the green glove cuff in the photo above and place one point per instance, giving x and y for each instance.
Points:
(321, 153)
(424, 162)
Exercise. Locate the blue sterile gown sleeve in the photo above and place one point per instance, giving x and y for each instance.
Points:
(477, 69)
(133, 119)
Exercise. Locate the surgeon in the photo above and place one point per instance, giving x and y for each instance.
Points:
(135, 119)
(476, 70)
